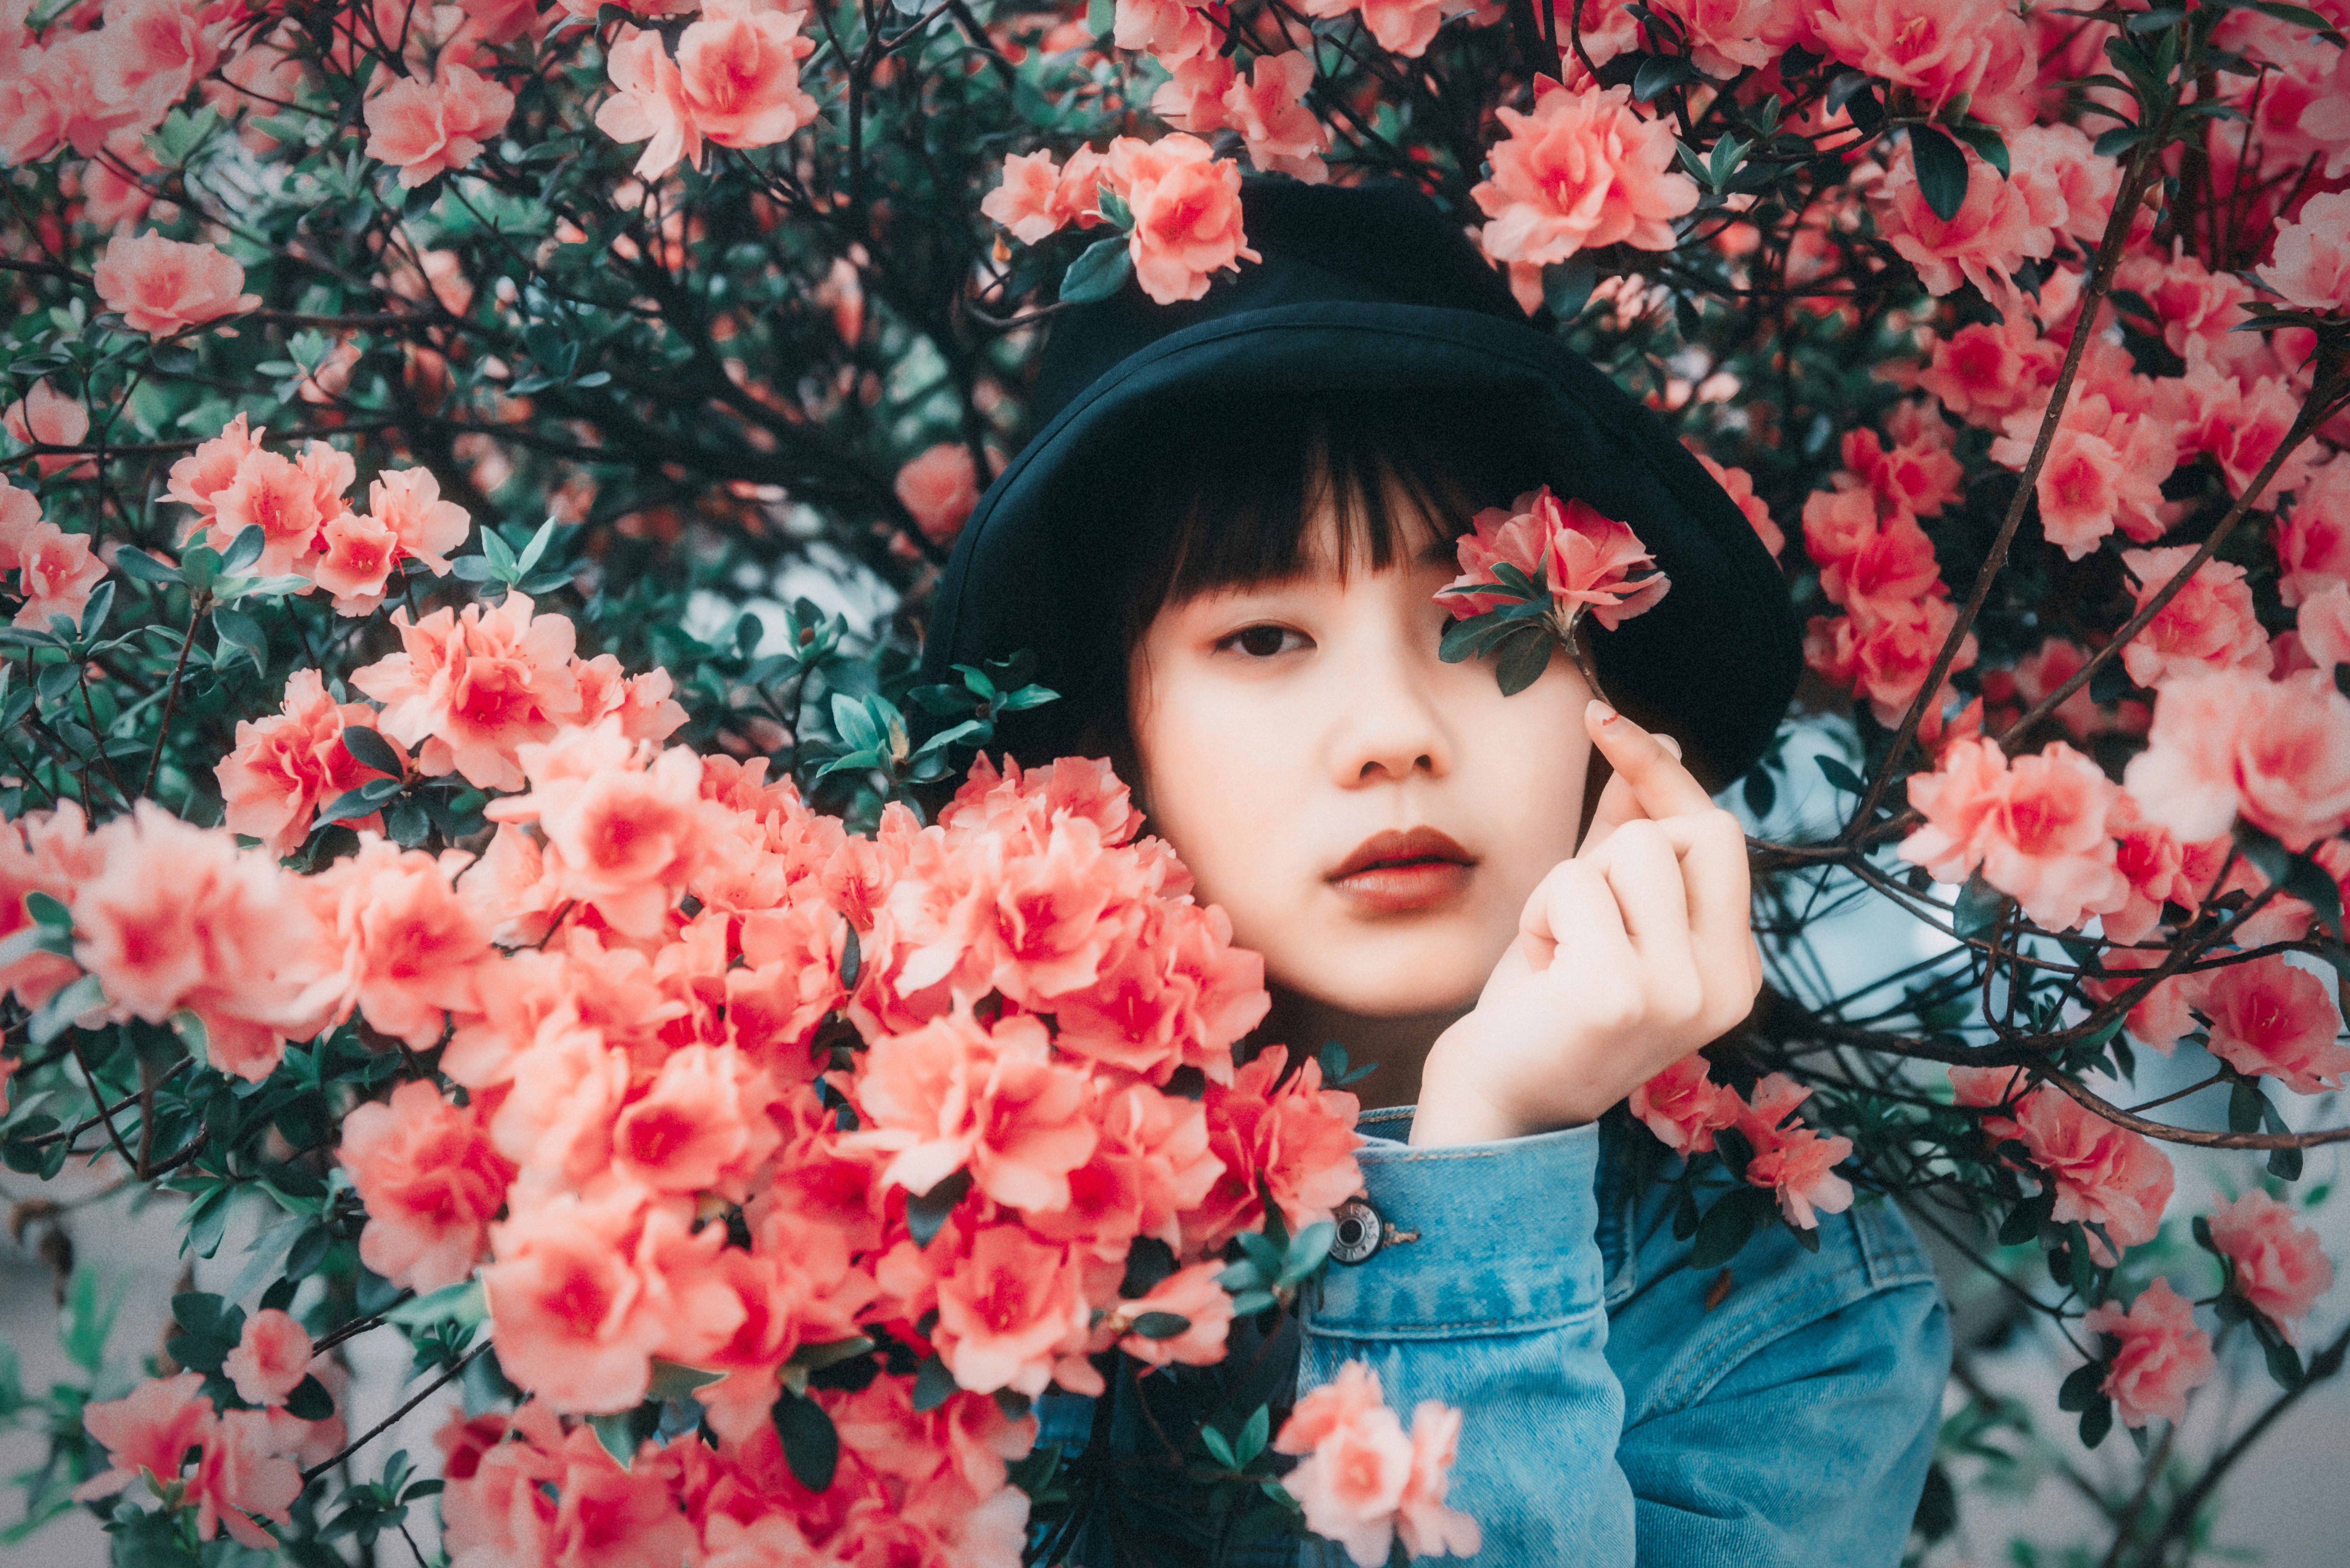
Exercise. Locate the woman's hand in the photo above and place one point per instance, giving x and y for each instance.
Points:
(1628, 956)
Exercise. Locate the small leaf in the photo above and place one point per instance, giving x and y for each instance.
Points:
(310, 1401)
(145, 568)
(464, 1303)
(1988, 145)
(933, 1384)
(1840, 776)
(370, 749)
(926, 1211)
(366, 799)
(2080, 1389)
(1567, 285)
(1941, 171)
(1100, 271)
(240, 632)
(243, 550)
(1160, 1324)
(2096, 1421)
(2116, 142)
(1978, 907)
(811, 1443)
(1523, 658)
(1728, 1225)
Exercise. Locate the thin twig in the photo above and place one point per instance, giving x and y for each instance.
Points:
(372, 1433)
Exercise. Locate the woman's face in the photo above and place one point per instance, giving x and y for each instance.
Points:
(1371, 817)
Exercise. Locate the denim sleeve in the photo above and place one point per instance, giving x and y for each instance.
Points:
(1793, 1437)
(1496, 1308)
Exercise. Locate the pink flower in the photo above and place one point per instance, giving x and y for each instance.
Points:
(1977, 48)
(2309, 267)
(1004, 1309)
(198, 479)
(1267, 108)
(2269, 1018)
(1984, 372)
(2041, 828)
(2232, 742)
(289, 764)
(148, 1432)
(430, 127)
(1362, 1480)
(1990, 235)
(2312, 540)
(47, 417)
(2103, 1174)
(355, 554)
(2325, 625)
(1590, 560)
(288, 499)
(2279, 1267)
(2208, 625)
(407, 501)
(1187, 213)
(2161, 1358)
(1884, 655)
(950, 1093)
(430, 1182)
(1684, 1108)
(470, 690)
(1402, 28)
(1291, 1134)
(1894, 566)
(1193, 1295)
(412, 950)
(1583, 170)
(271, 1359)
(1192, 97)
(649, 104)
(740, 68)
(180, 918)
(33, 120)
(1028, 201)
(940, 488)
(573, 1317)
(1795, 1163)
(703, 1124)
(165, 286)
(55, 571)
(1169, 30)
(1740, 486)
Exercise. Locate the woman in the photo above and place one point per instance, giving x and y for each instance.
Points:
(1225, 544)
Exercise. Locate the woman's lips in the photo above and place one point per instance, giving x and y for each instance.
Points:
(1395, 872)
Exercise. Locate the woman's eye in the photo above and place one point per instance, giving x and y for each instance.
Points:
(1264, 642)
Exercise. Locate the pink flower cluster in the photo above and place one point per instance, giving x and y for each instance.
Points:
(734, 82)
(55, 571)
(1266, 107)
(1877, 562)
(1584, 170)
(309, 527)
(429, 125)
(2103, 1175)
(82, 86)
(245, 1469)
(2275, 1262)
(923, 1489)
(1365, 1483)
(1589, 561)
(1685, 1109)
(1185, 202)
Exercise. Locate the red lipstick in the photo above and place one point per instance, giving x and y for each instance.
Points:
(1393, 873)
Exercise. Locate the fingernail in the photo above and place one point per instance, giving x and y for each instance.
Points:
(1670, 744)
(1602, 711)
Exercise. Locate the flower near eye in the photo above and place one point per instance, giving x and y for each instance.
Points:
(1531, 572)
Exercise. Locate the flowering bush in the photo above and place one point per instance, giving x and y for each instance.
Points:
(445, 829)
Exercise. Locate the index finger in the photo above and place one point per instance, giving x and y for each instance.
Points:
(1661, 786)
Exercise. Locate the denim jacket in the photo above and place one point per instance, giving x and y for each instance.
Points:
(1620, 1407)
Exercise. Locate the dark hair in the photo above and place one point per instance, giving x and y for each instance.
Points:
(1219, 493)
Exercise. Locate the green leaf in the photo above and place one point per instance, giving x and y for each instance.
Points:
(1978, 907)
(1941, 171)
(310, 1401)
(464, 1303)
(145, 568)
(2247, 1107)
(2077, 1391)
(58, 1013)
(1728, 1226)
(535, 549)
(1660, 73)
(1523, 660)
(2116, 142)
(1567, 285)
(1252, 1437)
(1160, 1324)
(2297, 875)
(240, 632)
(360, 802)
(1306, 1251)
(244, 549)
(926, 1211)
(2283, 1363)
(2096, 1421)
(933, 1384)
(1099, 271)
(811, 1443)
(1840, 776)
(370, 749)
(1219, 1447)
(2303, 16)
(1988, 145)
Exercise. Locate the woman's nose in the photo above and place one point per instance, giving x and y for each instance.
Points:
(1389, 724)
